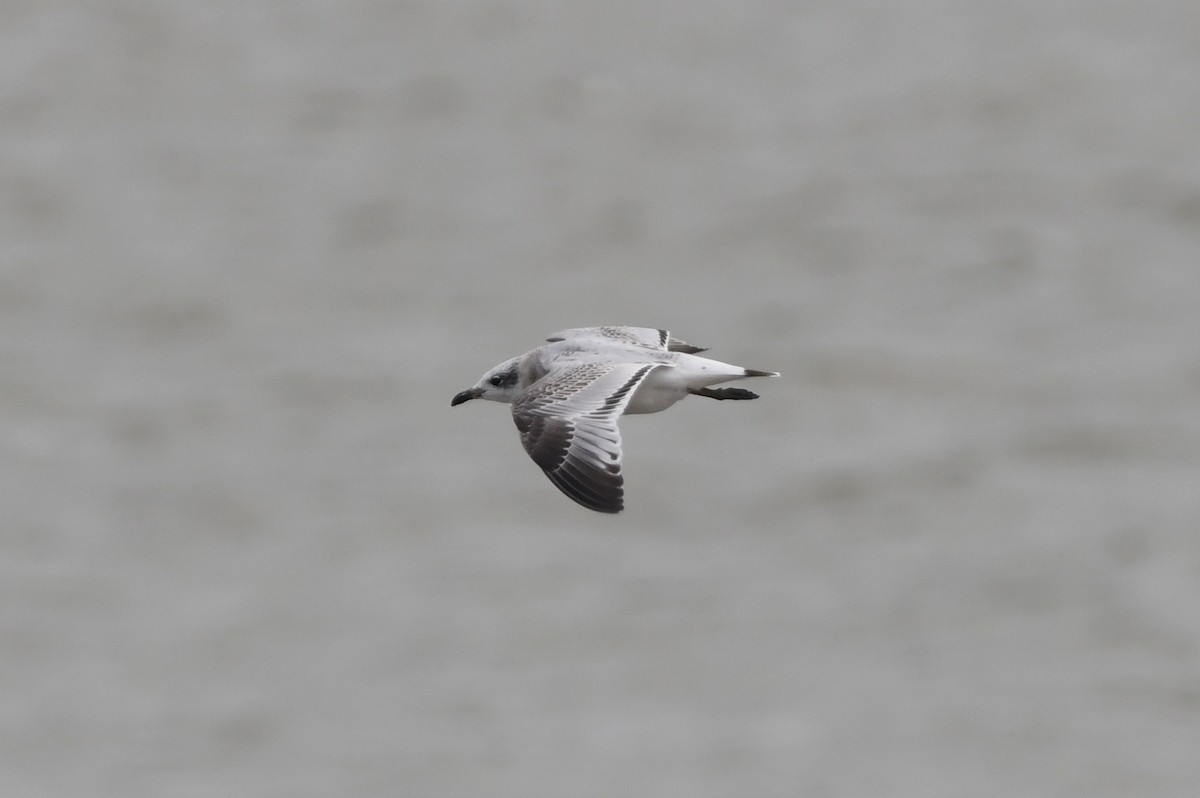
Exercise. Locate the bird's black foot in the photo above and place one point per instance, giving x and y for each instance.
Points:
(725, 393)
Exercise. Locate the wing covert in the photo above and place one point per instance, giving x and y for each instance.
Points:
(568, 425)
(639, 336)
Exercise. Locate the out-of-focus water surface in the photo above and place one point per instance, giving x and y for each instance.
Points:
(250, 251)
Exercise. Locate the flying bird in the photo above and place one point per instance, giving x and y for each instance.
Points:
(566, 396)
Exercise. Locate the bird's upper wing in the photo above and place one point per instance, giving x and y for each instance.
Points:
(639, 336)
(568, 425)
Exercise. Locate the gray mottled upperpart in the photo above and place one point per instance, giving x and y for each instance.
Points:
(566, 397)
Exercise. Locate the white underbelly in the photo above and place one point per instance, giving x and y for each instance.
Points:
(667, 384)
(659, 390)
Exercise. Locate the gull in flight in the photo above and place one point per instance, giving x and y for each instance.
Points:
(566, 396)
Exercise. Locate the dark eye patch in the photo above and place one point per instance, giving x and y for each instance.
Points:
(504, 380)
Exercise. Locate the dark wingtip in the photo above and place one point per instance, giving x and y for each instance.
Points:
(603, 498)
(599, 491)
(756, 373)
(609, 509)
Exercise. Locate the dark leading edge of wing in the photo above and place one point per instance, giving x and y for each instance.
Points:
(568, 425)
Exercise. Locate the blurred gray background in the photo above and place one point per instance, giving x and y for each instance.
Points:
(251, 249)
